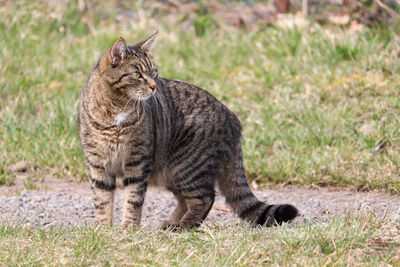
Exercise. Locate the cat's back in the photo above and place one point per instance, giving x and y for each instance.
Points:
(194, 103)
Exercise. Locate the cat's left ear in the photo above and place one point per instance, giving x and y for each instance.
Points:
(147, 44)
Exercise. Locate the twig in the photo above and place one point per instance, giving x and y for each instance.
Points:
(83, 7)
(387, 8)
(305, 8)
(174, 3)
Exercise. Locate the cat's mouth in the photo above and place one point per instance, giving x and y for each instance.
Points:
(136, 101)
(142, 96)
(145, 97)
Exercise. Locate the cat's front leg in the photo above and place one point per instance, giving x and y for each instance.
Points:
(135, 185)
(103, 188)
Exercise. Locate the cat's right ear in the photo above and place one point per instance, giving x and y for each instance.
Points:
(114, 55)
(118, 52)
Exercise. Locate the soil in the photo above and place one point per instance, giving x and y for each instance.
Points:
(59, 202)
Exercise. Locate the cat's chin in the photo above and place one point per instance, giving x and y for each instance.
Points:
(142, 97)
(145, 97)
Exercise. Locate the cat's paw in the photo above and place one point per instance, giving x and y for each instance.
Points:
(174, 227)
(130, 225)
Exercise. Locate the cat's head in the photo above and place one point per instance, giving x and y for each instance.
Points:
(129, 70)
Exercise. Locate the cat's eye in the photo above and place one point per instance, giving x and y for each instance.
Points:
(136, 75)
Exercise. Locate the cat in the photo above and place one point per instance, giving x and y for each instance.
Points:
(151, 130)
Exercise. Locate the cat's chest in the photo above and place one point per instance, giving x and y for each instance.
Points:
(115, 157)
(116, 145)
(115, 153)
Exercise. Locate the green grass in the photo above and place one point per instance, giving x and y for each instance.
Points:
(318, 105)
(5, 176)
(346, 240)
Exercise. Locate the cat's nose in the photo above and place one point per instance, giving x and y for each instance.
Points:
(153, 86)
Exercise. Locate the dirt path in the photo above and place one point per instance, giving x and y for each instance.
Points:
(64, 203)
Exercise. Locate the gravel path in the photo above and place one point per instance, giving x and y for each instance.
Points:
(70, 204)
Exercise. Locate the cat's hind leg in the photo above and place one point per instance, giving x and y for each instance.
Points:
(180, 209)
(178, 213)
(198, 209)
(193, 207)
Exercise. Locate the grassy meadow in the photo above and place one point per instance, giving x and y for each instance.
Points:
(319, 106)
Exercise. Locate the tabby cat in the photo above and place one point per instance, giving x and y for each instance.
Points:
(150, 130)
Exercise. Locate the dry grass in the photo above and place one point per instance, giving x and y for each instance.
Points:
(343, 241)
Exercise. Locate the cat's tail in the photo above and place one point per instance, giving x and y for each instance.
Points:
(233, 185)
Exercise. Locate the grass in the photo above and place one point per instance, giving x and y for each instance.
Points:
(5, 177)
(346, 240)
(318, 105)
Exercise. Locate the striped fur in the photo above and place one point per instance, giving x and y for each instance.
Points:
(151, 130)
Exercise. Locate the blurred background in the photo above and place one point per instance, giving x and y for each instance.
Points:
(314, 83)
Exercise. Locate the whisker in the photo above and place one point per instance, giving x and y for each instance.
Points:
(146, 104)
(140, 102)
(127, 103)
(160, 98)
(138, 106)
(155, 101)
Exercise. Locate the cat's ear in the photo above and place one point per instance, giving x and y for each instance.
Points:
(147, 44)
(118, 52)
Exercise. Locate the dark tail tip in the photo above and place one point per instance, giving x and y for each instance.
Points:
(277, 214)
(285, 213)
